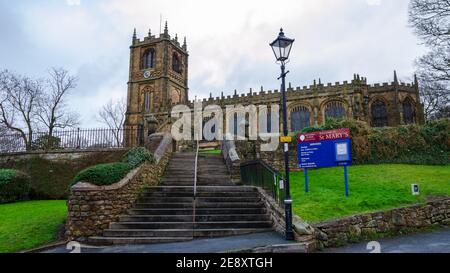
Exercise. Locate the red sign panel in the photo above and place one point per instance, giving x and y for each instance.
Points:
(324, 135)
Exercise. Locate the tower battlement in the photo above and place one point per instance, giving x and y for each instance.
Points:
(316, 89)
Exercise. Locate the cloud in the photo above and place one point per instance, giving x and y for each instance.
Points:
(73, 2)
(228, 41)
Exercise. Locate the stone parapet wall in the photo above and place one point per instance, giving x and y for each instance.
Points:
(378, 224)
(232, 160)
(59, 155)
(92, 208)
(303, 232)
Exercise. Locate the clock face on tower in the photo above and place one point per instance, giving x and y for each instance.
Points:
(147, 74)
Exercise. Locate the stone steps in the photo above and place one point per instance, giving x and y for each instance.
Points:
(220, 200)
(190, 225)
(198, 211)
(198, 218)
(166, 213)
(105, 241)
(201, 194)
(181, 233)
(199, 204)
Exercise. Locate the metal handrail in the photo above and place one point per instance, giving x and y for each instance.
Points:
(260, 174)
(196, 170)
(194, 201)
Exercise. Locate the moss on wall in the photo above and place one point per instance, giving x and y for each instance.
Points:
(50, 179)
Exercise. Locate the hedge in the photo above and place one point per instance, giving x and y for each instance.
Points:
(14, 186)
(103, 174)
(427, 144)
(50, 178)
(107, 174)
(136, 156)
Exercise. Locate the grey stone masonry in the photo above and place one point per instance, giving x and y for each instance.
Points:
(378, 224)
(92, 208)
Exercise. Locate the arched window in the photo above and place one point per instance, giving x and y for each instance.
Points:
(176, 63)
(148, 59)
(147, 101)
(408, 111)
(335, 109)
(300, 118)
(238, 120)
(379, 114)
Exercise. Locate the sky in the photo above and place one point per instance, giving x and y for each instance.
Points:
(228, 42)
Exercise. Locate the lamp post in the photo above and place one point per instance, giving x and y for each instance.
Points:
(281, 48)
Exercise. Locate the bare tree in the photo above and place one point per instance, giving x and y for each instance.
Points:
(112, 115)
(18, 102)
(442, 113)
(435, 96)
(52, 110)
(431, 20)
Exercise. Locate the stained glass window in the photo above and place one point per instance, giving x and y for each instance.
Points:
(300, 118)
(379, 114)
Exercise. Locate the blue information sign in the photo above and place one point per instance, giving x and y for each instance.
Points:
(325, 149)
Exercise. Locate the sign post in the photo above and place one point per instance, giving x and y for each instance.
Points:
(306, 181)
(325, 149)
(346, 181)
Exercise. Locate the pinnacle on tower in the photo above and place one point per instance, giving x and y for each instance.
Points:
(184, 43)
(134, 34)
(176, 37)
(395, 77)
(166, 29)
(416, 81)
(149, 33)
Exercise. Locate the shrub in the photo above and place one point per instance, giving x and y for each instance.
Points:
(46, 142)
(137, 156)
(412, 144)
(14, 185)
(50, 178)
(103, 174)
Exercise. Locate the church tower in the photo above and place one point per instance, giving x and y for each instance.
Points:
(158, 80)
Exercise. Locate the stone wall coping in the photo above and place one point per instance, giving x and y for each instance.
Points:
(71, 151)
(160, 151)
(163, 145)
(417, 205)
(85, 186)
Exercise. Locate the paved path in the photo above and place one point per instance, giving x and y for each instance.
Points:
(433, 242)
(213, 245)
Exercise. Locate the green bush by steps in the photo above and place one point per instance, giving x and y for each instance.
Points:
(136, 156)
(14, 186)
(427, 144)
(107, 174)
(103, 174)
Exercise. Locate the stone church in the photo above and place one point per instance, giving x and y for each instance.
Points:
(158, 80)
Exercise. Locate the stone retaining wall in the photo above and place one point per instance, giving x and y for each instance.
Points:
(303, 233)
(60, 155)
(378, 224)
(92, 208)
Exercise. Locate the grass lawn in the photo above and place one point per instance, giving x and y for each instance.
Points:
(215, 152)
(29, 224)
(372, 188)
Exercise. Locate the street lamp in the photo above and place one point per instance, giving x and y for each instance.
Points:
(282, 48)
